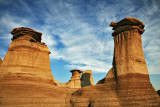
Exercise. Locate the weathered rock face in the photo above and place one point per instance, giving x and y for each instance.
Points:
(25, 74)
(26, 60)
(127, 83)
(87, 78)
(26, 79)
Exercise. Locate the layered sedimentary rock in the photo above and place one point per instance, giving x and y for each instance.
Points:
(26, 79)
(25, 74)
(127, 83)
(87, 78)
(27, 58)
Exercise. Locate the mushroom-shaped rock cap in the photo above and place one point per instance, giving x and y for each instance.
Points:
(76, 70)
(126, 24)
(18, 32)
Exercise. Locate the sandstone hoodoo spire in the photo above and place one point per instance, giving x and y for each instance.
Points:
(25, 67)
(75, 81)
(127, 82)
(129, 71)
(128, 53)
(27, 57)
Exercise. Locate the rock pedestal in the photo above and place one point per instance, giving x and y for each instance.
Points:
(25, 74)
(75, 81)
(127, 83)
(27, 59)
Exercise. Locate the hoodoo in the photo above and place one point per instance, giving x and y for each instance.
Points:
(25, 74)
(26, 79)
(27, 59)
(127, 82)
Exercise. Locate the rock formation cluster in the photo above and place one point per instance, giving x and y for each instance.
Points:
(26, 79)
(79, 79)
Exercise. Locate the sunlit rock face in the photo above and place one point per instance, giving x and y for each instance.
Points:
(27, 58)
(26, 79)
(127, 82)
(25, 74)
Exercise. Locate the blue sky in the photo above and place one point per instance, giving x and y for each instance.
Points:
(78, 34)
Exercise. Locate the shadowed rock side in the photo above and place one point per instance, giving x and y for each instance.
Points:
(127, 82)
(87, 78)
(158, 92)
(25, 74)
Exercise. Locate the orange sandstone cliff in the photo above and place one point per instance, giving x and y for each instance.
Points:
(26, 79)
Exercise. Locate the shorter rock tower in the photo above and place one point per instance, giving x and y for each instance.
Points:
(87, 78)
(75, 81)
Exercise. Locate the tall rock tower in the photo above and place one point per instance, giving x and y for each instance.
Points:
(129, 66)
(128, 53)
(127, 82)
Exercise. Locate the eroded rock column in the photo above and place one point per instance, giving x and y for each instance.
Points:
(75, 81)
(25, 74)
(128, 52)
(129, 71)
(27, 58)
(127, 82)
